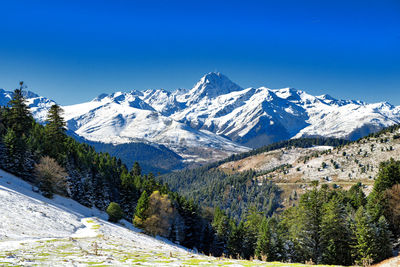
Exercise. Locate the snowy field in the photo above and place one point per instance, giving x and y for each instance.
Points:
(36, 231)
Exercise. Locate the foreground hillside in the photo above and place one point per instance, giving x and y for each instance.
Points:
(37, 231)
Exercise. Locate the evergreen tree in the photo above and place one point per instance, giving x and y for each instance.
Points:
(136, 169)
(311, 208)
(383, 242)
(252, 228)
(221, 225)
(335, 234)
(364, 248)
(18, 121)
(388, 175)
(236, 240)
(141, 207)
(269, 242)
(18, 116)
(356, 196)
(55, 132)
(16, 151)
(114, 212)
(191, 221)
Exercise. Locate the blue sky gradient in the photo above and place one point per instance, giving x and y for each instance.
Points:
(71, 51)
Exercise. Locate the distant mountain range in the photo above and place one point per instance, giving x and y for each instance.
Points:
(216, 117)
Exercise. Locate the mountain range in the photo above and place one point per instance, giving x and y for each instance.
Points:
(216, 117)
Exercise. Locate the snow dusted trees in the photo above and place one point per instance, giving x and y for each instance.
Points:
(18, 121)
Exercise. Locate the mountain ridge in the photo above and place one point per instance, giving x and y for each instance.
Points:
(217, 117)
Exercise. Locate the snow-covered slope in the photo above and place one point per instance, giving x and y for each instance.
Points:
(36, 231)
(217, 117)
(124, 117)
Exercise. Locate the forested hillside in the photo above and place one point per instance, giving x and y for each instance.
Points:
(152, 158)
(236, 192)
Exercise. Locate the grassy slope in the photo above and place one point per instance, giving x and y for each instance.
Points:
(345, 165)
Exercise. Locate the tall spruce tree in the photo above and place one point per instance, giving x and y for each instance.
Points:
(18, 121)
(18, 116)
(335, 233)
(141, 207)
(383, 241)
(364, 249)
(55, 132)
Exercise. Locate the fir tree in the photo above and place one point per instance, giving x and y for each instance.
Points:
(136, 169)
(365, 234)
(55, 132)
(335, 234)
(236, 240)
(141, 207)
(383, 242)
(221, 225)
(18, 116)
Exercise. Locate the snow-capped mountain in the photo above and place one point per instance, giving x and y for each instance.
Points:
(217, 117)
(124, 117)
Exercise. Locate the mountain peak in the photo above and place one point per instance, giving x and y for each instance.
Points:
(212, 85)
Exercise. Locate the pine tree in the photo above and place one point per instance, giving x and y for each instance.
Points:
(221, 225)
(55, 132)
(136, 169)
(356, 196)
(335, 234)
(16, 151)
(141, 208)
(18, 121)
(236, 239)
(383, 242)
(18, 116)
(389, 175)
(252, 228)
(365, 234)
(311, 207)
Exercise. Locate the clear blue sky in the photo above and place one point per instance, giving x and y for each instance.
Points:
(71, 51)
